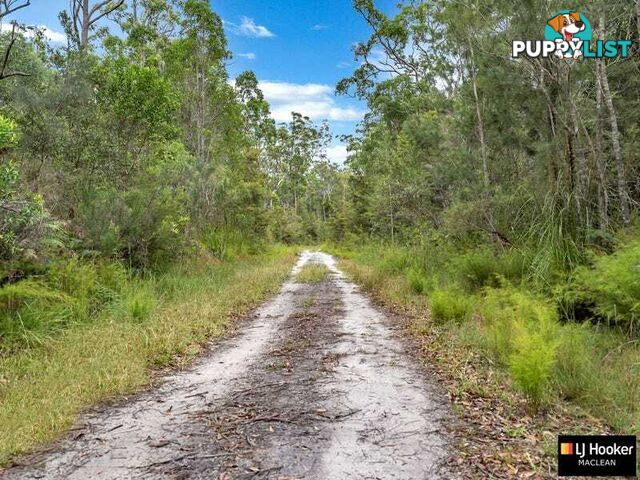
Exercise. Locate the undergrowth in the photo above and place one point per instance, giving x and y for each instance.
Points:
(90, 331)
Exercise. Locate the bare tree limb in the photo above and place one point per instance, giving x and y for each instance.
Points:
(7, 7)
(7, 54)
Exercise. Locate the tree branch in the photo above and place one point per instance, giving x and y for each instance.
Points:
(7, 53)
(9, 8)
(117, 5)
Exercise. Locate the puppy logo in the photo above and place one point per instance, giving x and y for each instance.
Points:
(567, 24)
(572, 29)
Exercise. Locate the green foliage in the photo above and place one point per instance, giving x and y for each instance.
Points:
(576, 366)
(531, 364)
(419, 283)
(450, 305)
(510, 312)
(609, 290)
(139, 303)
(227, 243)
(138, 97)
(70, 291)
(8, 133)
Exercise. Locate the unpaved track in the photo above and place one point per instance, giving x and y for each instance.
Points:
(317, 385)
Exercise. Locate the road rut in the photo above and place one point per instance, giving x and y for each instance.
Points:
(316, 385)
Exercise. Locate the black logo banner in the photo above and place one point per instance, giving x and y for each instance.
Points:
(597, 455)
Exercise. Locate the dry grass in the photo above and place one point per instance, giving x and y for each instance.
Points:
(312, 273)
(43, 389)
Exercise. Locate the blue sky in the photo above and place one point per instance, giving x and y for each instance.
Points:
(299, 50)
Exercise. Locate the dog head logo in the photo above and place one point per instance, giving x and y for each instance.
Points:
(570, 28)
(567, 24)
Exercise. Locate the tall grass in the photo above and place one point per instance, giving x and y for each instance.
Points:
(312, 273)
(44, 384)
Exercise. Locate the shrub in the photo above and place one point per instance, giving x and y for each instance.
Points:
(610, 290)
(509, 312)
(395, 260)
(531, 363)
(450, 305)
(417, 281)
(474, 270)
(226, 243)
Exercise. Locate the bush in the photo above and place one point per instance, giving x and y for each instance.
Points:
(395, 260)
(474, 270)
(522, 333)
(482, 268)
(531, 363)
(450, 305)
(71, 291)
(417, 281)
(609, 291)
(520, 330)
(226, 243)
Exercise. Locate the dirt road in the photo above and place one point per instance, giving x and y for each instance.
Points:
(316, 385)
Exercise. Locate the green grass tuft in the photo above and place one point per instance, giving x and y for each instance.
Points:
(312, 273)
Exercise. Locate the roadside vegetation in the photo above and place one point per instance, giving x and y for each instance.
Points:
(531, 334)
(96, 340)
(500, 196)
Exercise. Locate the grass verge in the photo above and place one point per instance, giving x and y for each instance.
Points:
(158, 322)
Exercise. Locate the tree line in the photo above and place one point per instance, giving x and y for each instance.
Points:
(131, 142)
(463, 139)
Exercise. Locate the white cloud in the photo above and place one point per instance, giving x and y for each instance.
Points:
(337, 154)
(310, 99)
(248, 55)
(343, 65)
(249, 28)
(319, 26)
(48, 33)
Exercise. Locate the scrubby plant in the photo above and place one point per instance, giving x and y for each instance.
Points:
(418, 282)
(531, 363)
(484, 268)
(609, 290)
(450, 305)
(521, 330)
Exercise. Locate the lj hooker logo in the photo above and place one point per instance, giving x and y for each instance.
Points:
(568, 34)
(598, 455)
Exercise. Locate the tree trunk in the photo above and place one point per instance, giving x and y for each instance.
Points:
(84, 31)
(581, 183)
(480, 125)
(615, 136)
(638, 17)
(601, 170)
